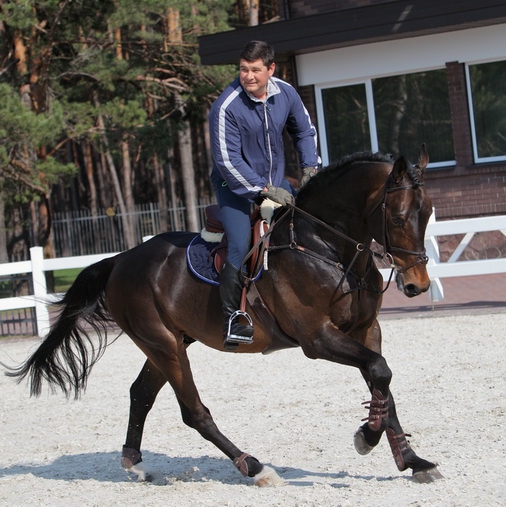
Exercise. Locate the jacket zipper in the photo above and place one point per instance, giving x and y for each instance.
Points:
(268, 142)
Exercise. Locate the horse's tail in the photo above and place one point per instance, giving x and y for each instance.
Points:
(68, 353)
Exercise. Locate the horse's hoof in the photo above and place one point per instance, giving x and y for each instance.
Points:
(361, 445)
(426, 476)
(268, 477)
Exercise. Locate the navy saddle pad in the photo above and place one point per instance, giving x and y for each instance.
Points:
(200, 259)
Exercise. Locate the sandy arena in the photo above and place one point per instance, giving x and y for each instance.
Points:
(292, 413)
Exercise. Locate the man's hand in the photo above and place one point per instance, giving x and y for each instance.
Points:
(277, 194)
(308, 173)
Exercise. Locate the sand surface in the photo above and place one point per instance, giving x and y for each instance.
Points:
(292, 413)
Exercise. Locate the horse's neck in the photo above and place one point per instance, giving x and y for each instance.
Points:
(344, 204)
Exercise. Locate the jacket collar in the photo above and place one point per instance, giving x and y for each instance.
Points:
(272, 89)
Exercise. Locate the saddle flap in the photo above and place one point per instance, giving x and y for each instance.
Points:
(213, 218)
(220, 255)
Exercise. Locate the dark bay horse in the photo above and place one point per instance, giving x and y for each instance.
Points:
(321, 292)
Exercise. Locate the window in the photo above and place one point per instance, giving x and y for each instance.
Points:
(393, 114)
(487, 95)
(346, 123)
(413, 109)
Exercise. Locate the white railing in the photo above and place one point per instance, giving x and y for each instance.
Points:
(37, 265)
(453, 267)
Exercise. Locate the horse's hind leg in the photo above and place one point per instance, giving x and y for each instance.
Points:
(197, 416)
(173, 366)
(143, 394)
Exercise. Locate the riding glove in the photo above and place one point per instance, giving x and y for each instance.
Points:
(277, 194)
(309, 172)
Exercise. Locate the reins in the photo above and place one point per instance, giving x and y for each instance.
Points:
(359, 247)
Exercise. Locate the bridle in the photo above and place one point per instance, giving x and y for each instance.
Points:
(388, 248)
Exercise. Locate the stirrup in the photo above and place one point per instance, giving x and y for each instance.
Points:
(236, 339)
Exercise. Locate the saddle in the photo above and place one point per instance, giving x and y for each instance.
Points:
(207, 252)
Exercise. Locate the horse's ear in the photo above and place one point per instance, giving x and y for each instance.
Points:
(399, 170)
(423, 158)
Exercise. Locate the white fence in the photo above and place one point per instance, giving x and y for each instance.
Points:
(437, 269)
(453, 267)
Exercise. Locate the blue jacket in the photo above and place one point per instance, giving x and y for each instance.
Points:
(247, 136)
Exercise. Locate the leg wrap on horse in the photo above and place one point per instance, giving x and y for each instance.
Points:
(378, 410)
(130, 457)
(399, 446)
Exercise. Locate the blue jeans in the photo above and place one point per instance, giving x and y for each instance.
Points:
(235, 215)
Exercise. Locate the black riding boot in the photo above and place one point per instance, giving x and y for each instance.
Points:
(234, 332)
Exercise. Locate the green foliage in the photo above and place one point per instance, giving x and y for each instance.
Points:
(20, 125)
(19, 15)
(64, 278)
(79, 69)
(125, 115)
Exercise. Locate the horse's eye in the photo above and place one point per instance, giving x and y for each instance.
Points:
(398, 221)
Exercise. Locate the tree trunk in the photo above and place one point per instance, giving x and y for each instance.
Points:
(3, 232)
(127, 232)
(172, 176)
(106, 197)
(253, 12)
(175, 36)
(161, 190)
(20, 53)
(174, 32)
(127, 185)
(187, 171)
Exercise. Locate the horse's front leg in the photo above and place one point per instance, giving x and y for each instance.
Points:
(367, 437)
(334, 345)
(405, 457)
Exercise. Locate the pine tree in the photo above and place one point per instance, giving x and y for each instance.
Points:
(105, 99)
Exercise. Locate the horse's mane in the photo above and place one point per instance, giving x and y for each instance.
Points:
(341, 166)
(361, 156)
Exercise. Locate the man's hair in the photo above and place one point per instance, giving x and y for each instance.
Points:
(257, 49)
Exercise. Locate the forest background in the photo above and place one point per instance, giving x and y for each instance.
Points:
(103, 106)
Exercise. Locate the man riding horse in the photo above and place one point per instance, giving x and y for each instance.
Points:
(246, 126)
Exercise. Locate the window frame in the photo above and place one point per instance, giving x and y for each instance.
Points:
(367, 83)
(472, 125)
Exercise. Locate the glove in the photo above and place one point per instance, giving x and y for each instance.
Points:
(277, 194)
(309, 172)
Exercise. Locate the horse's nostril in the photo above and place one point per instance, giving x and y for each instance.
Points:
(411, 290)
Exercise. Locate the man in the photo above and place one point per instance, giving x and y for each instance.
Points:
(246, 125)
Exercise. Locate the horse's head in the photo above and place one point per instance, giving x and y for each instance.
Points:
(406, 209)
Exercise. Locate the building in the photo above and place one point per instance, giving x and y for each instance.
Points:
(390, 74)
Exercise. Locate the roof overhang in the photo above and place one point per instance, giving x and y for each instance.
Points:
(351, 27)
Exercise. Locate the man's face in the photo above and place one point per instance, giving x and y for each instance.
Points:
(254, 77)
